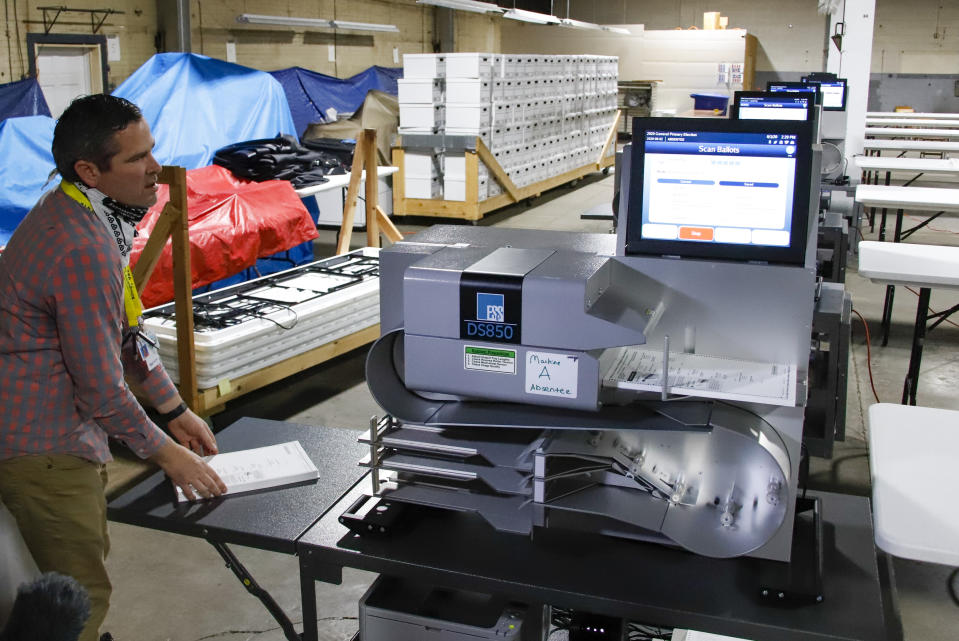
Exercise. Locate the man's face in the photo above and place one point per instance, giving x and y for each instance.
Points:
(132, 176)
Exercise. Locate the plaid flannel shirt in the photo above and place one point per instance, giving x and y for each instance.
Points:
(65, 343)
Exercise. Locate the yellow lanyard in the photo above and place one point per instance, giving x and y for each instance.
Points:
(131, 299)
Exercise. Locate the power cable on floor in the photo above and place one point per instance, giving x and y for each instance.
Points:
(936, 229)
(872, 383)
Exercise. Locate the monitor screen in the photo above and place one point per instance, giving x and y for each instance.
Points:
(720, 189)
(767, 105)
(784, 86)
(833, 92)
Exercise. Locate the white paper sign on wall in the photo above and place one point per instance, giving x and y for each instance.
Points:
(113, 48)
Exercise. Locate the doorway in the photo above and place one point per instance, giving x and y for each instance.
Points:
(67, 66)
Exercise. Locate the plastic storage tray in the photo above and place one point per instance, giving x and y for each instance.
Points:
(256, 324)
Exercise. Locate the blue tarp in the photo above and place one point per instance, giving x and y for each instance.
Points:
(196, 104)
(25, 147)
(22, 98)
(310, 93)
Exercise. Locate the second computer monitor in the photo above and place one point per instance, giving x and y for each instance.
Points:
(768, 105)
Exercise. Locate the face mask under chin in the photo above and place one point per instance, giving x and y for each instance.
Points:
(128, 213)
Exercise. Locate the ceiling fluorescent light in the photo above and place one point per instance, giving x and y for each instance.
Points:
(530, 16)
(284, 21)
(364, 26)
(313, 23)
(620, 30)
(579, 24)
(465, 5)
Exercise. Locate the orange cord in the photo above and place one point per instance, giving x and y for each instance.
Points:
(945, 320)
(868, 355)
(936, 229)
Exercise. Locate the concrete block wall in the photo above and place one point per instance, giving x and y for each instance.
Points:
(920, 36)
(917, 37)
(135, 29)
(264, 47)
(267, 47)
(790, 33)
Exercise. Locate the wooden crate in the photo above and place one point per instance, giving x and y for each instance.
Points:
(473, 208)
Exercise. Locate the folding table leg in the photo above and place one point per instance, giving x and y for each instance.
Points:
(911, 385)
(887, 313)
(254, 588)
(308, 599)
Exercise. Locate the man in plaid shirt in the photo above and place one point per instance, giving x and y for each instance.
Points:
(69, 334)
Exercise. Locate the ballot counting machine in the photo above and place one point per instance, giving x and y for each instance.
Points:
(648, 385)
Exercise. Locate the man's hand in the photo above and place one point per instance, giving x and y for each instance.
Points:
(193, 432)
(188, 471)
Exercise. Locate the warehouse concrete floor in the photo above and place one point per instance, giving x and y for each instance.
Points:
(174, 588)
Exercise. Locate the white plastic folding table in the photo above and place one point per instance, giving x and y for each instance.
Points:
(933, 115)
(900, 198)
(912, 459)
(922, 266)
(875, 146)
(890, 121)
(920, 133)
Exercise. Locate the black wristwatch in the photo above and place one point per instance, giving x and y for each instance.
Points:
(174, 413)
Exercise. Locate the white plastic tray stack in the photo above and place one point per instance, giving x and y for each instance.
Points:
(540, 115)
(305, 307)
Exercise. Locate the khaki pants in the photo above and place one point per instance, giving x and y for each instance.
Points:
(60, 508)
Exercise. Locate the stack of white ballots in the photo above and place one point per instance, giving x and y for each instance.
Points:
(261, 468)
(298, 319)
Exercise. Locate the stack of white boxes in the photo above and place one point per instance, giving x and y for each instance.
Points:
(420, 92)
(540, 116)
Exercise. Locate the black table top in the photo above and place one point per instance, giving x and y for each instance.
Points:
(644, 582)
(269, 519)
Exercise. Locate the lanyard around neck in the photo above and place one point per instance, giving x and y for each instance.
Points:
(131, 298)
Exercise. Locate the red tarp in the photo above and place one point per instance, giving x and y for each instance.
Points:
(232, 223)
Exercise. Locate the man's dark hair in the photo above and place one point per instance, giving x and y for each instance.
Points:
(85, 132)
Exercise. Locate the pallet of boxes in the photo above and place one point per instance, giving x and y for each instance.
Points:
(479, 131)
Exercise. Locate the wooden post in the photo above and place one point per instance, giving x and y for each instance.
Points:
(365, 157)
(609, 139)
(472, 183)
(497, 170)
(387, 227)
(372, 188)
(182, 286)
(174, 222)
(352, 192)
(152, 251)
(399, 181)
